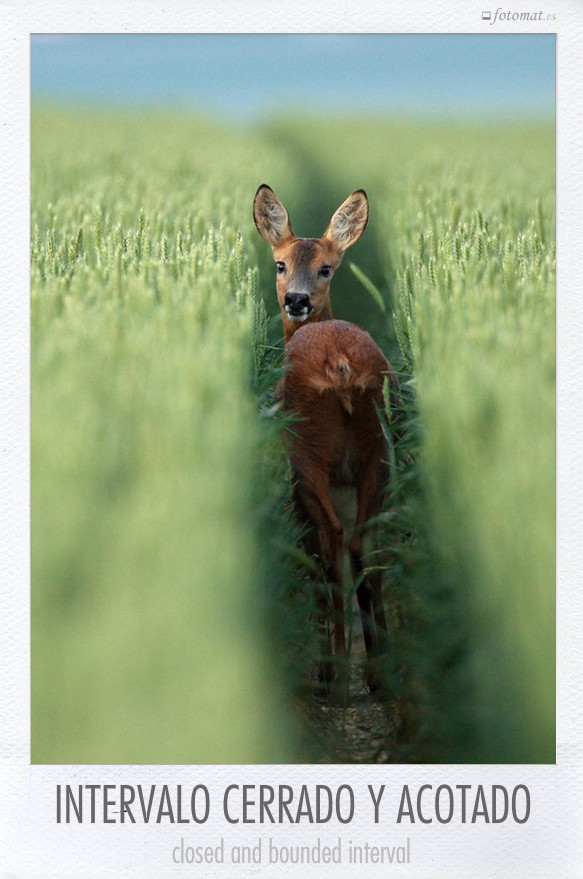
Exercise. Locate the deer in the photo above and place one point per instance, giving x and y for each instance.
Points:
(333, 383)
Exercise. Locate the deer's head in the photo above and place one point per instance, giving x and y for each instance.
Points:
(305, 266)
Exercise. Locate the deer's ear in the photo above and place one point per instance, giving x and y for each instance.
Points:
(271, 218)
(349, 221)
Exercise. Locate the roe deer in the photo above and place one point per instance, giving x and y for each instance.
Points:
(334, 383)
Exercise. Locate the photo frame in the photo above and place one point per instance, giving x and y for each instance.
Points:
(376, 812)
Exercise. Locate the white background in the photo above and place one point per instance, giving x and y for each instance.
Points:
(32, 844)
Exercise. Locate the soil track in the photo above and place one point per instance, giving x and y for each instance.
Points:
(363, 731)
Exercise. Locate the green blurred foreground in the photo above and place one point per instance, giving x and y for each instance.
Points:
(166, 622)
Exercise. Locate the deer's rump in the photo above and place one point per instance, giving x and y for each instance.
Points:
(333, 383)
(333, 355)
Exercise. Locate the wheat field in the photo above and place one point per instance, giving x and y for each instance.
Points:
(170, 604)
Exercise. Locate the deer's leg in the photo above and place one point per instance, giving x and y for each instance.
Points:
(312, 548)
(315, 501)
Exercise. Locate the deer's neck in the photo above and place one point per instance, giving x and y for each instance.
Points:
(291, 326)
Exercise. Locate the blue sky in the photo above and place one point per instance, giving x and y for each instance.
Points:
(245, 76)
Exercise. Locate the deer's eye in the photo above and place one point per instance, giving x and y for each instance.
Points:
(325, 271)
(280, 268)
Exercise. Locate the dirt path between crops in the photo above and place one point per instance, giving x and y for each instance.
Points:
(360, 732)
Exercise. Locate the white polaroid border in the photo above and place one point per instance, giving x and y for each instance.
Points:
(32, 843)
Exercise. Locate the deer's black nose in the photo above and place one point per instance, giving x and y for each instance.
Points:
(297, 303)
